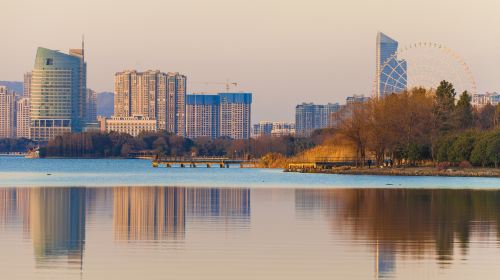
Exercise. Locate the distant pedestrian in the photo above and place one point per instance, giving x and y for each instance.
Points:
(369, 163)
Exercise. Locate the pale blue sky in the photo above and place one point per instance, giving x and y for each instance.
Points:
(286, 52)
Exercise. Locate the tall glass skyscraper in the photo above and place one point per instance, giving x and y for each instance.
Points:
(58, 93)
(391, 73)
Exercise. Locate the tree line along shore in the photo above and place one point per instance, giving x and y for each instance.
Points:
(420, 131)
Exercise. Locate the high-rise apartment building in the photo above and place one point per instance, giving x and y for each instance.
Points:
(224, 114)
(7, 113)
(27, 85)
(152, 94)
(203, 116)
(391, 73)
(309, 116)
(235, 116)
(176, 104)
(23, 118)
(58, 93)
(91, 99)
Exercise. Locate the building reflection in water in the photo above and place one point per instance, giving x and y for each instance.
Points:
(225, 203)
(149, 213)
(57, 223)
(156, 213)
(55, 218)
(7, 206)
(408, 222)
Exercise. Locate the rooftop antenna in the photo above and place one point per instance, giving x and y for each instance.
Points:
(83, 47)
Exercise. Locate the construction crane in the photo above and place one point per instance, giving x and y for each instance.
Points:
(228, 84)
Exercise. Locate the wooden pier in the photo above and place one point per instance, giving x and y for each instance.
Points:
(208, 162)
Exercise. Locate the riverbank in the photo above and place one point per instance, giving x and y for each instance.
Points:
(406, 171)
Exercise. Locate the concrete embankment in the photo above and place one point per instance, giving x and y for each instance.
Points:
(409, 171)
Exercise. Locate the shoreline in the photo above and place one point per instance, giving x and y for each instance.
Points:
(406, 171)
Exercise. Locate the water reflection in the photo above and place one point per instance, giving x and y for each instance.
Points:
(368, 233)
(224, 203)
(149, 213)
(54, 219)
(408, 222)
(57, 223)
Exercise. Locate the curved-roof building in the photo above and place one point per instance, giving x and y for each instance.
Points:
(58, 92)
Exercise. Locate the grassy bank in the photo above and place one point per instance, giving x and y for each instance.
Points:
(408, 171)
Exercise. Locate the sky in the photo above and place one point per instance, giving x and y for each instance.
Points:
(283, 51)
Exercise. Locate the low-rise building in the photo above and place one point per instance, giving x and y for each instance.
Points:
(262, 128)
(357, 98)
(130, 125)
(275, 129)
(479, 100)
(282, 129)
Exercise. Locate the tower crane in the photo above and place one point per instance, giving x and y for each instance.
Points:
(228, 84)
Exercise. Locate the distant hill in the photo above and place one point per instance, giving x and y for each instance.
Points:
(17, 87)
(105, 104)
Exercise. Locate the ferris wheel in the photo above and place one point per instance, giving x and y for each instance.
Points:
(424, 65)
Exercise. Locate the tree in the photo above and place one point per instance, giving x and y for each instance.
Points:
(444, 107)
(355, 128)
(160, 145)
(493, 148)
(486, 117)
(380, 137)
(464, 117)
(497, 116)
(487, 149)
(443, 146)
(462, 147)
(126, 149)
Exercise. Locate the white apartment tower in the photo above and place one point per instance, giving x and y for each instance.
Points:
(23, 118)
(7, 113)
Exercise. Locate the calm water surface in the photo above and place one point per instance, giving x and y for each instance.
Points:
(122, 219)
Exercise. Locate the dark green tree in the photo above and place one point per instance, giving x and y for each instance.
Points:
(462, 147)
(497, 116)
(485, 119)
(464, 116)
(444, 107)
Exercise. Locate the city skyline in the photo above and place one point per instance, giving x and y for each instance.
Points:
(267, 46)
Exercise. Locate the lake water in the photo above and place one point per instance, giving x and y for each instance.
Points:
(123, 219)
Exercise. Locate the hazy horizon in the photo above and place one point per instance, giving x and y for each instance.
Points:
(285, 52)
